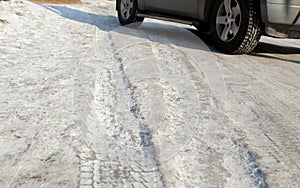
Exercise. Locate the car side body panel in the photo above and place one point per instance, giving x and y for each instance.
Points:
(141, 4)
(186, 8)
(197, 9)
(281, 11)
(281, 18)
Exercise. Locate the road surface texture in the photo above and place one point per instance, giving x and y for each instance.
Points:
(87, 103)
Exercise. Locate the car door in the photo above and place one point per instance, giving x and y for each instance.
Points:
(186, 8)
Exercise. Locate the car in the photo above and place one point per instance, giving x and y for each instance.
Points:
(236, 26)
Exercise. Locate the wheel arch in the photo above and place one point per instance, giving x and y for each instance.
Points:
(208, 9)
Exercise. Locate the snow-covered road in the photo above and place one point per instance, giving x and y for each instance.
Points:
(87, 103)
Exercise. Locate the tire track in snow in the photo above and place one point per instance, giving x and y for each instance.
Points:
(112, 154)
(266, 117)
(144, 130)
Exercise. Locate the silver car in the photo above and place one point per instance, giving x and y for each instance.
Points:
(235, 25)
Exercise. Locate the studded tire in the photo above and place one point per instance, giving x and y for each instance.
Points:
(235, 26)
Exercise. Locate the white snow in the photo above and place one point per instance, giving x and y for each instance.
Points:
(87, 103)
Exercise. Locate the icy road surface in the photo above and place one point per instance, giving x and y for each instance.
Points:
(87, 103)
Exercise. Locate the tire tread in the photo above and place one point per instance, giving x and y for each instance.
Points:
(253, 33)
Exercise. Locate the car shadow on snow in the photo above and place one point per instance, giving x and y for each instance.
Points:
(263, 49)
(103, 22)
(153, 31)
(269, 48)
(110, 23)
(276, 52)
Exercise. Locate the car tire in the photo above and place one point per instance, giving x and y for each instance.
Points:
(127, 12)
(235, 26)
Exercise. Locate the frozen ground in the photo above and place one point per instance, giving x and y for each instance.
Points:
(87, 103)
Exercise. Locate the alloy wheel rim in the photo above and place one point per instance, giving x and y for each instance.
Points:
(228, 20)
(126, 8)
